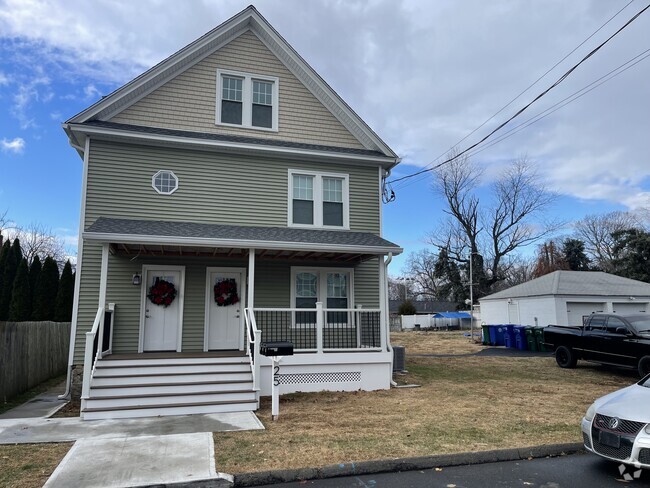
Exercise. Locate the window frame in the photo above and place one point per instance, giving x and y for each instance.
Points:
(321, 286)
(318, 199)
(153, 181)
(247, 99)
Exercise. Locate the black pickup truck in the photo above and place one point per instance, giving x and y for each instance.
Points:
(620, 340)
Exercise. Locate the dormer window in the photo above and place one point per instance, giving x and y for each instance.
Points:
(247, 100)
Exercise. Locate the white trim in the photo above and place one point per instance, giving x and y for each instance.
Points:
(247, 99)
(77, 281)
(215, 144)
(208, 297)
(318, 199)
(381, 206)
(180, 297)
(214, 242)
(171, 173)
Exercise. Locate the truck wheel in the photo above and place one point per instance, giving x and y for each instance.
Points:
(644, 366)
(565, 357)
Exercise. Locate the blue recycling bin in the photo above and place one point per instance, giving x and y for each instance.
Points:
(519, 332)
(509, 336)
(497, 335)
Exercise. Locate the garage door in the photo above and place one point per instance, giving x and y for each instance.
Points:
(630, 307)
(577, 310)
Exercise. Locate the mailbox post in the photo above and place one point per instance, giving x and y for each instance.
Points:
(276, 351)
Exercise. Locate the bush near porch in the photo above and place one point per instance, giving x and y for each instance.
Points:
(465, 403)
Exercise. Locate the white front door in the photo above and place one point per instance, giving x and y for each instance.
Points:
(162, 324)
(224, 319)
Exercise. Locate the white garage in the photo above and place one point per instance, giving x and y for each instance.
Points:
(565, 298)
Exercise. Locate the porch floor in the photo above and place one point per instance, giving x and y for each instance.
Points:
(176, 355)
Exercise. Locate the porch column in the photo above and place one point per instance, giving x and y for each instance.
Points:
(383, 306)
(250, 295)
(103, 278)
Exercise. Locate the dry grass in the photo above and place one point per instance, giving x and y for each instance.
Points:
(466, 403)
(29, 465)
(429, 342)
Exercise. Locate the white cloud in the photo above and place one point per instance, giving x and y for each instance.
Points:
(91, 92)
(29, 92)
(15, 146)
(4, 79)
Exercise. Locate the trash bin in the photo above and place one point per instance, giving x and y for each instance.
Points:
(509, 335)
(486, 334)
(539, 338)
(520, 337)
(530, 339)
(493, 334)
(500, 335)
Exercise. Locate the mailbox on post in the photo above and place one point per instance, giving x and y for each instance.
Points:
(276, 350)
(280, 348)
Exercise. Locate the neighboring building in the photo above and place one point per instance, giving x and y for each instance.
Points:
(230, 197)
(564, 298)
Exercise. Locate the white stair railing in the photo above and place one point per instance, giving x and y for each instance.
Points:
(92, 353)
(254, 337)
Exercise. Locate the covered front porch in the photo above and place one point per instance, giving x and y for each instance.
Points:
(327, 298)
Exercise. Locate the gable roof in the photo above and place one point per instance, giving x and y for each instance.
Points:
(590, 283)
(247, 19)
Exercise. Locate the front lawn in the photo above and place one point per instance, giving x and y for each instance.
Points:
(465, 403)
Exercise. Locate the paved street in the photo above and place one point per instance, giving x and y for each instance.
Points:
(575, 471)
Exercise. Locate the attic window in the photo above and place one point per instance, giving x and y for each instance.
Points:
(247, 100)
(165, 182)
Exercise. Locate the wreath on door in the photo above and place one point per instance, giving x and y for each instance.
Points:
(225, 292)
(162, 292)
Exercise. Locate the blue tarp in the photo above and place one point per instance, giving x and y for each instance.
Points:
(452, 315)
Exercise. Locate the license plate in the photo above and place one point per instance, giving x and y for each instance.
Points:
(609, 439)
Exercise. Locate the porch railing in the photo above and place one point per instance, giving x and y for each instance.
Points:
(254, 336)
(320, 329)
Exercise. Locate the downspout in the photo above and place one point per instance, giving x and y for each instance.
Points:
(389, 346)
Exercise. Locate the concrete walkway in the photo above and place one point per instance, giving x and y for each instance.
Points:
(139, 461)
(43, 405)
(34, 430)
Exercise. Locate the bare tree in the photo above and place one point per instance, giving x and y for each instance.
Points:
(401, 288)
(38, 240)
(420, 266)
(490, 231)
(596, 232)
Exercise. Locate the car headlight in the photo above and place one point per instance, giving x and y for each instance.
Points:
(647, 429)
(591, 411)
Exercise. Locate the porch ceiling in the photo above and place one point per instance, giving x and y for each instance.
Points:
(163, 250)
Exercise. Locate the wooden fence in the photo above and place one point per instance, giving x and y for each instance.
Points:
(30, 353)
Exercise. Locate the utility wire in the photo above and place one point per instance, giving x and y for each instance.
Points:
(570, 99)
(525, 107)
(529, 86)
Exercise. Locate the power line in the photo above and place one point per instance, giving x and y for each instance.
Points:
(525, 107)
(562, 103)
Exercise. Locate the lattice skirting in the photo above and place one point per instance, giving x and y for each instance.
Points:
(309, 378)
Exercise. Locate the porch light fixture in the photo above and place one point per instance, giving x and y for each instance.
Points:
(137, 279)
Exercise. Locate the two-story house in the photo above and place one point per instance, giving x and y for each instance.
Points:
(230, 197)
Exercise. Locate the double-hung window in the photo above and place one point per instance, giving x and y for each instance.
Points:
(247, 100)
(331, 286)
(318, 199)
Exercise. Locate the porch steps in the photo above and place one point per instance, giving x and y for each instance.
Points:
(147, 387)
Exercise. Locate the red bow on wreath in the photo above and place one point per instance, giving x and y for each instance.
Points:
(225, 292)
(162, 292)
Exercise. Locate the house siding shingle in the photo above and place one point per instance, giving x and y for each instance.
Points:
(188, 102)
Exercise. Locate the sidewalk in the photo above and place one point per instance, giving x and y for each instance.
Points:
(43, 405)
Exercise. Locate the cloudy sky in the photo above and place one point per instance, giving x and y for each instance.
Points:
(422, 74)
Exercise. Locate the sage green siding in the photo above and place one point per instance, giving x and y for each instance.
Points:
(188, 102)
(213, 188)
(272, 289)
